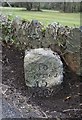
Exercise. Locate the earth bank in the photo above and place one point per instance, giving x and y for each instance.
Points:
(64, 104)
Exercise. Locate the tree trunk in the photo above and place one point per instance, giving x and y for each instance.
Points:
(29, 6)
(38, 8)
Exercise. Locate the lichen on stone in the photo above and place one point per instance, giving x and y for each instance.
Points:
(43, 67)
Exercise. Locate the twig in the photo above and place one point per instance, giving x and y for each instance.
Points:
(72, 110)
(44, 114)
(57, 118)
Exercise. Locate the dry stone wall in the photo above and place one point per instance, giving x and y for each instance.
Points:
(30, 35)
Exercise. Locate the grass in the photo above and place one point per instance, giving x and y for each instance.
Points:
(46, 16)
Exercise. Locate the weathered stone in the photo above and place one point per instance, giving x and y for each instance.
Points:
(72, 55)
(43, 68)
(55, 34)
(30, 33)
(69, 46)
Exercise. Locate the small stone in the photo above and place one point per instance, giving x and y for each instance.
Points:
(21, 100)
(12, 71)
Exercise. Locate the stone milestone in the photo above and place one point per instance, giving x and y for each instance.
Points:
(42, 67)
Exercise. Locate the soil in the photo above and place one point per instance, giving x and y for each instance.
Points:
(63, 104)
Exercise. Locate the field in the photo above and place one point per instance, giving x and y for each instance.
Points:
(45, 16)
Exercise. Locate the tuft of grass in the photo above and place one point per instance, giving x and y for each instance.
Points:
(44, 16)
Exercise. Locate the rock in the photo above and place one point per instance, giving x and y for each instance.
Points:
(80, 28)
(55, 34)
(30, 33)
(73, 40)
(72, 55)
(43, 67)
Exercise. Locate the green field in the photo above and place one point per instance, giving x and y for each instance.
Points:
(45, 16)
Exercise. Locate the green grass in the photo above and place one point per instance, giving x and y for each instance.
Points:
(46, 16)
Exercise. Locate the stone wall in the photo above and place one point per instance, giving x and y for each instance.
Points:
(30, 35)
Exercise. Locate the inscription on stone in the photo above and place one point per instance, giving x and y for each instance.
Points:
(43, 67)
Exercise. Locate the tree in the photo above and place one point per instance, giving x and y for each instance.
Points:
(71, 7)
(38, 8)
(81, 6)
(29, 5)
(60, 6)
